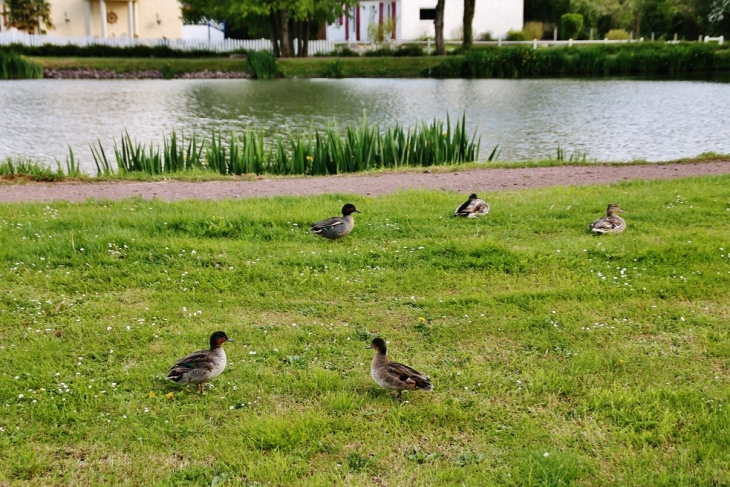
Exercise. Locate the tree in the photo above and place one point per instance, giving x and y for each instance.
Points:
(286, 19)
(439, 27)
(469, 6)
(29, 15)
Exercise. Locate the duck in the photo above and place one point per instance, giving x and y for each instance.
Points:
(337, 226)
(473, 207)
(201, 366)
(610, 223)
(395, 376)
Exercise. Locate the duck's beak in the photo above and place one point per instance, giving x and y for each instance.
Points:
(357, 211)
(369, 346)
(229, 339)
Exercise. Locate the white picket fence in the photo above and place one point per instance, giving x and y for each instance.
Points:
(227, 45)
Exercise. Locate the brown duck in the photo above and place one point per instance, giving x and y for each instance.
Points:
(395, 376)
(611, 223)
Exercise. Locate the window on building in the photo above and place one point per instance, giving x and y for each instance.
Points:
(428, 14)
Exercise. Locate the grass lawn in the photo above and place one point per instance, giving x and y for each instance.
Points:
(125, 65)
(314, 67)
(558, 357)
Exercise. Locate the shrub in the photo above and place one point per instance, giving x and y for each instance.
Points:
(485, 36)
(15, 66)
(618, 35)
(109, 51)
(571, 25)
(533, 30)
(262, 64)
(334, 69)
(411, 50)
(516, 35)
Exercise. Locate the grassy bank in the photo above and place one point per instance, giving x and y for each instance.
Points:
(633, 59)
(15, 66)
(558, 357)
(126, 65)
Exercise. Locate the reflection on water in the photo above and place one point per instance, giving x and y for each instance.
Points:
(610, 120)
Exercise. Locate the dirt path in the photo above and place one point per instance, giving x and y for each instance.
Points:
(476, 180)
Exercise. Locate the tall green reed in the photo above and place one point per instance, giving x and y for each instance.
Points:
(15, 66)
(330, 151)
(262, 64)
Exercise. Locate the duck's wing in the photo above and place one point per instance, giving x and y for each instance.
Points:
(196, 363)
(328, 223)
(473, 207)
(408, 378)
(607, 224)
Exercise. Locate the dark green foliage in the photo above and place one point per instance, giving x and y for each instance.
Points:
(513, 62)
(262, 64)
(571, 26)
(355, 149)
(334, 69)
(15, 66)
(109, 51)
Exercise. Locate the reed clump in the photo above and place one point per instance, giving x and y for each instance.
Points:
(15, 66)
(262, 64)
(331, 151)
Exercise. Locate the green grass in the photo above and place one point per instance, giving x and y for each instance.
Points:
(125, 65)
(15, 66)
(545, 373)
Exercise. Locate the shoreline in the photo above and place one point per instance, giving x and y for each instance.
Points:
(461, 181)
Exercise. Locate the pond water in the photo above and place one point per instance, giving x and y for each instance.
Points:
(607, 119)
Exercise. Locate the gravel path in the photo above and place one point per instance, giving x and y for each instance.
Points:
(475, 180)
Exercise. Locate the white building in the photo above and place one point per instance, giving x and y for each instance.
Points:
(408, 20)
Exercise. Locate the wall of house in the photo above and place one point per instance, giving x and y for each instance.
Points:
(369, 12)
(155, 19)
(494, 16)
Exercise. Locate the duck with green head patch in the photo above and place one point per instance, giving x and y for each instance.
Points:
(201, 366)
(337, 226)
(395, 376)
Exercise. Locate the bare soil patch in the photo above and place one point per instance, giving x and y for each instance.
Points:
(474, 180)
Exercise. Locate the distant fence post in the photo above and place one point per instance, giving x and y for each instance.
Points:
(534, 44)
(652, 37)
(499, 42)
(570, 42)
(428, 47)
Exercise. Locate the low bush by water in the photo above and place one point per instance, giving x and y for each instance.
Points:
(15, 66)
(514, 62)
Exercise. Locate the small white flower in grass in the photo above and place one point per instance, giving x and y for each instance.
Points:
(108, 328)
(20, 396)
(681, 318)
(546, 454)
(18, 377)
(231, 407)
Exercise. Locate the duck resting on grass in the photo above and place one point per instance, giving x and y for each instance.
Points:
(395, 376)
(201, 366)
(337, 226)
(610, 223)
(473, 207)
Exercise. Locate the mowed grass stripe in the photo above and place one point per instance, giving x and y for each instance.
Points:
(557, 357)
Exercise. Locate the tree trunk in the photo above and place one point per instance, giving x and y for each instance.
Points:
(304, 46)
(468, 18)
(292, 32)
(439, 25)
(286, 50)
(274, 35)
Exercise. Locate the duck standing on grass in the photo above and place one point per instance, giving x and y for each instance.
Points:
(473, 207)
(610, 223)
(337, 226)
(201, 366)
(395, 376)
